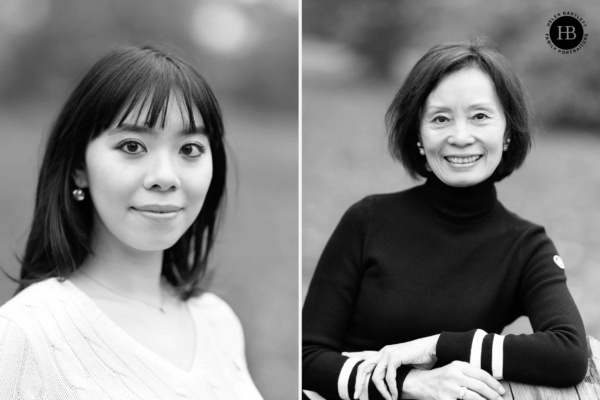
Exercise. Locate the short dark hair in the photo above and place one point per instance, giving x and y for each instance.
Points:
(403, 117)
(59, 240)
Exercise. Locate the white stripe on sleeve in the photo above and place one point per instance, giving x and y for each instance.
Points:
(313, 395)
(345, 376)
(498, 357)
(476, 348)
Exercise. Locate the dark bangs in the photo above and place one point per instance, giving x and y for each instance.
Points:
(127, 84)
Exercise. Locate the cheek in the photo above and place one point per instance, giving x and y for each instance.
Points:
(110, 180)
(497, 138)
(196, 182)
(430, 141)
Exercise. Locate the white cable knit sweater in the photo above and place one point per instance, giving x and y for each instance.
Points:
(55, 343)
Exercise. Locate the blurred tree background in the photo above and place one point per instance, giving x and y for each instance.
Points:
(248, 51)
(356, 55)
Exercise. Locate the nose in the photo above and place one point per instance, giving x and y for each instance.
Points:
(162, 174)
(461, 136)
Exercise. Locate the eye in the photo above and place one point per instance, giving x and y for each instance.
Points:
(131, 147)
(192, 150)
(440, 119)
(480, 116)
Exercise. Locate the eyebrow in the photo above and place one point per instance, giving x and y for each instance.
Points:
(143, 129)
(437, 108)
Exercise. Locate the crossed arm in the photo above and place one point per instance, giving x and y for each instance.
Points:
(554, 355)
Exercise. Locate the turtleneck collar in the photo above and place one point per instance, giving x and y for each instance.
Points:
(469, 202)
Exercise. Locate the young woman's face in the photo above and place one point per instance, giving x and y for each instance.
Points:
(147, 185)
(463, 128)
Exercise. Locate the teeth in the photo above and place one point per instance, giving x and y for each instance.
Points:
(463, 160)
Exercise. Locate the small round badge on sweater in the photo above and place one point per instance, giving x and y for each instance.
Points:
(559, 262)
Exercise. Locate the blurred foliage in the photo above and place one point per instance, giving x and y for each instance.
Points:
(57, 40)
(383, 34)
(374, 29)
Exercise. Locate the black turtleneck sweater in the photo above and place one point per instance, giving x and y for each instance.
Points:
(437, 259)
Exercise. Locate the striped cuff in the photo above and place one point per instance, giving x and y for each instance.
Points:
(487, 353)
(480, 349)
(347, 378)
(498, 357)
(476, 348)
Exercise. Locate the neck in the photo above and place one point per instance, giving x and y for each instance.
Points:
(461, 202)
(125, 270)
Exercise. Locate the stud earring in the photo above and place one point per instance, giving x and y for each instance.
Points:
(421, 149)
(78, 194)
(505, 147)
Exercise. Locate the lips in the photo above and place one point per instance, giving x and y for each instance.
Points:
(467, 159)
(158, 208)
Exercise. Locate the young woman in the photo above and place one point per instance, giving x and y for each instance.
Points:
(126, 212)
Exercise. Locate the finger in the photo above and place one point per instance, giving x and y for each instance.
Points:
(471, 395)
(379, 383)
(365, 394)
(484, 377)
(363, 355)
(390, 378)
(379, 374)
(481, 388)
(379, 371)
(363, 369)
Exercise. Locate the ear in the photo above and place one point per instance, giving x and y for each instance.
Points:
(80, 178)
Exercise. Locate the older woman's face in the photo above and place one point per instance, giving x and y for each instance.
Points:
(463, 128)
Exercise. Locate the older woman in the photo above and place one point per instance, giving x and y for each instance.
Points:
(430, 276)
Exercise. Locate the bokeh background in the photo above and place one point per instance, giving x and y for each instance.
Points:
(355, 57)
(248, 51)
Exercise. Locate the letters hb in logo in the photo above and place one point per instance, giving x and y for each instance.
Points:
(569, 32)
(566, 33)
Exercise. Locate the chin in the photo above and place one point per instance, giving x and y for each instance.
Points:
(464, 181)
(154, 243)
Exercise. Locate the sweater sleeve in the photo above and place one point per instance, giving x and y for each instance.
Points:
(329, 307)
(556, 353)
(19, 378)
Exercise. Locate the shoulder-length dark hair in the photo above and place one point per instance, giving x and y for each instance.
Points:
(59, 240)
(403, 118)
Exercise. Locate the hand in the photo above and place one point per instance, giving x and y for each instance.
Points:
(361, 355)
(383, 365)
(447, 382)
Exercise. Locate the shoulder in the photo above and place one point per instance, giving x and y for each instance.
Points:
(36, 299)
(384, 203)
(217, 312)
(18, 366)
(11, 334)
(45, 313)
(221, 322)
(521, 227)
(23, 333)
(394, 199)
(534, 247)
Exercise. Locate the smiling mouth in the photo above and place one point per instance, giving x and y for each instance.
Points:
(158, 209)
(463, 159)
